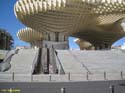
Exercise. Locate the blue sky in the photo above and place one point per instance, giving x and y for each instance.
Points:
(9, 22)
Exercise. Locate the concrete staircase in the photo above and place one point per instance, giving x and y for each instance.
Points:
(69, 63)
(97, 62)
(112, 61)
(23, 61)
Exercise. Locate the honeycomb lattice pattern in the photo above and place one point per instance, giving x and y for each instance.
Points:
(29, 35)
(69, 16)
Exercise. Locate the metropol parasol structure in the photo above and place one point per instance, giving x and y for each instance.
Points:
(50, 22)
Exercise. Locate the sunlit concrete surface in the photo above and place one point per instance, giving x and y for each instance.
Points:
(96, 62)
(23, 61)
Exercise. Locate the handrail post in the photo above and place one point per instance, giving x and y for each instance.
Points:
(13, 76)
(50, 78)
(87, 76)
(121, 75)
(63, 90)
(105, 75)
(31, 77)
(69, 76)
(111, 89)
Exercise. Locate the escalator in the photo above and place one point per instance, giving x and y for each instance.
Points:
(46, 62)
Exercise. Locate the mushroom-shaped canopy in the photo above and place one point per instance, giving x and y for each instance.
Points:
(42, 15)
(29, 35)
(54, 15)
(84, 44)
(69, 16)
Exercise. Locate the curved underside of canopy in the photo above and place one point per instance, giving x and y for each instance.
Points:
(29, 35)
(96, 21)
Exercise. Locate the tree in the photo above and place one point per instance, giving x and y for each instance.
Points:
(6, 40)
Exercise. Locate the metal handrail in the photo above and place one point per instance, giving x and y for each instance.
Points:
(80, 62)
(56, 55)
(35, 61)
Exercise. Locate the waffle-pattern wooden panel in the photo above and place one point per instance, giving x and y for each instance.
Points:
(68, 15)
(29, 35)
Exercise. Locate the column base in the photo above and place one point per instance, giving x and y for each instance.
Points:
(55, 45)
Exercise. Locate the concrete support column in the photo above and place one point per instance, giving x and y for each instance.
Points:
(102, 46)
(37, 44)
(97, 47)
(55, 45)
(107, 46)
(55, 40)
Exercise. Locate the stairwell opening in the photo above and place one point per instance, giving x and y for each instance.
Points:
(46, 62)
